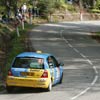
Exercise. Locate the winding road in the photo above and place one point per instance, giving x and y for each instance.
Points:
(72, 44)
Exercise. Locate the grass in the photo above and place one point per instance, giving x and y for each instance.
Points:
(71, 8)
(2, 88)
(98, 33)
(17, 45)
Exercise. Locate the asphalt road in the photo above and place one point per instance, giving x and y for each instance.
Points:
(72, 44)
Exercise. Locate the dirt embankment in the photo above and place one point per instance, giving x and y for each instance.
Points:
(4, 46)
(10, 42)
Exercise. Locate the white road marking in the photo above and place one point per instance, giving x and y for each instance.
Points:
(95, 69)
(89, 61)
(83, 92)
(51, 39)
(76, 50)
(82, 55)
(94, 81)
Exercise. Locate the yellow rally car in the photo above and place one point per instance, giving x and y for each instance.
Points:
(31, 69)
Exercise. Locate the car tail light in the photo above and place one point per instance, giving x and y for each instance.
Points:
(45, 74)
(10, 73)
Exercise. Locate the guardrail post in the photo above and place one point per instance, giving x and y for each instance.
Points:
(81, 15)
(17, 30)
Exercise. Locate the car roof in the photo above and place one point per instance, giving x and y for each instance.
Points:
(34, 54)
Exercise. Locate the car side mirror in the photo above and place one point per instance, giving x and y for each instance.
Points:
(61, 64)
(51, 65)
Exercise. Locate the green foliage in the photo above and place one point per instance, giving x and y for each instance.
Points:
(2, 8)
(59, 5)
(97, 6)
(46, 7)
(14, 44)
(98, 33)
(95, 11)
(71, 8)
(5, 5)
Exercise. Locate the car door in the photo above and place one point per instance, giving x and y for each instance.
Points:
(55, 72)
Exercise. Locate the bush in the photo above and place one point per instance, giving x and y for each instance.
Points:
(95, 11)
(71, 8)
(45, 8)
(97, 6)
(59, 5)
(2, 9)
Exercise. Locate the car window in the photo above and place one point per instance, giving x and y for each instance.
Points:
(52, 62)
(28, 62)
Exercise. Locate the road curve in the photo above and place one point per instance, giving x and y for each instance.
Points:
(71, 43)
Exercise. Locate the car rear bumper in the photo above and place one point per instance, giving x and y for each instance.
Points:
(28, 82)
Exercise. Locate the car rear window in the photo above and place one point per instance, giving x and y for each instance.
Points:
(28, 62)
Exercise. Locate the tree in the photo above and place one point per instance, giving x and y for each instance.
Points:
(97, 5)
(12, 4)
(46, 7)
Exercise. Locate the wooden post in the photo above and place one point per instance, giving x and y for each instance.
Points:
(51, 18)
(22, 21)
(81, 15)
(22, 24)
(30, 15)
(30, 18)
(17, 30)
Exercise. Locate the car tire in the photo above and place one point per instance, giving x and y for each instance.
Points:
(49, 86)
(9, 89)
(61, 79)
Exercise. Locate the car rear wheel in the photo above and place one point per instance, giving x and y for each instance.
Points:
(49, 86)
